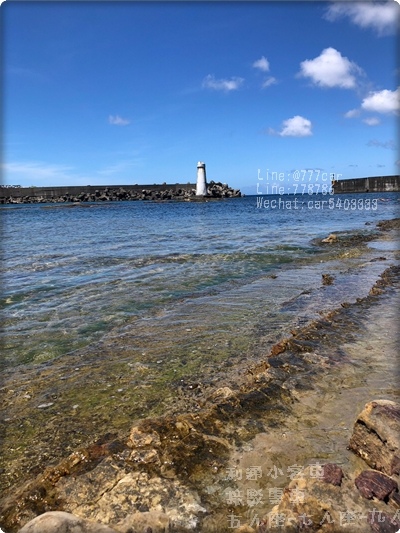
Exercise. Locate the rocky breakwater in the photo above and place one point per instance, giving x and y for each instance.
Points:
(109, 194)
(222, 190)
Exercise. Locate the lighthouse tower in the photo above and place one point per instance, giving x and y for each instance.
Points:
(201, 185)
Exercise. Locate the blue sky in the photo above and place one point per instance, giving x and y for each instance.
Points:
(138, 92)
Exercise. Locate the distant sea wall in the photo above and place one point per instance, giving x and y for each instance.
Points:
(49, 193)
(97, 193)
(374, 184)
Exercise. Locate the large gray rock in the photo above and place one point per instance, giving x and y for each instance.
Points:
(60, 522)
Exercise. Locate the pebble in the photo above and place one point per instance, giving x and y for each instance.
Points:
(45, 405)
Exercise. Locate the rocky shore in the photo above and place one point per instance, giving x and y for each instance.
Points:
(365, 498)
(326, 387)
(108, 194)
(320, 497)
(172, 473)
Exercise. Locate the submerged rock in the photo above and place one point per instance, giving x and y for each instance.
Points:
(327, 279)
(331, 238)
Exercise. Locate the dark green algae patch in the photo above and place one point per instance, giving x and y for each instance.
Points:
(51, 413)
(195, 447)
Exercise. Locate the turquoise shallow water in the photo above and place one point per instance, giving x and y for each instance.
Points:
(72, 276)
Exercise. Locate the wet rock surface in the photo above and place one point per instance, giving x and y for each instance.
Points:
(387, 225)
(347, 239)
(332, 474)
(376, 436)
(61, 522)
(330, 499)
(374, 484)
(311, 504)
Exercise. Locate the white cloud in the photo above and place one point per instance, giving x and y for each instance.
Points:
(30, 75)
(382, 101)
(233, 84)
(381, 17)
(38, 173)
(269, 131)
(118, 121)
(269, 81)
(388, 145)
(330, 69)
(262, 64)
(352, 113)
(120, 167)
(296, 127)
(372, 121)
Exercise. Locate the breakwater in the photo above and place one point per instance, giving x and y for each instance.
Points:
(372, 184)
(98, 193)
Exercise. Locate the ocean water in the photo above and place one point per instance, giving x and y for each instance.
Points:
(73, 276)
(117, 312)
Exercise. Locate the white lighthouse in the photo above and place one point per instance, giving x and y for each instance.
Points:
(201, 185)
